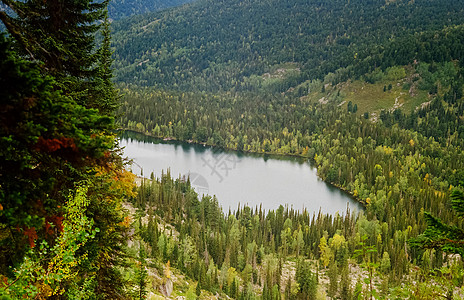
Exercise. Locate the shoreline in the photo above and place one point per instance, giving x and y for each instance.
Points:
(279, 155)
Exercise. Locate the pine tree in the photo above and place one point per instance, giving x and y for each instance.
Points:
(198, 289)
(333, 280)
(306, 280)
(345, 284)
(43, 156)
(106, 96)
(141, 273)
(441, 236)
(58, 137)
(60, 34)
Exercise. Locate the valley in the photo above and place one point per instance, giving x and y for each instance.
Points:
(208, 149)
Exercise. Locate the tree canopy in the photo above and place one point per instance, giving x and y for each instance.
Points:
(57, 150)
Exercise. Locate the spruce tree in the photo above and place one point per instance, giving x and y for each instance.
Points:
(56, 122)
(60, 35)
(141, 274)
(441, 236)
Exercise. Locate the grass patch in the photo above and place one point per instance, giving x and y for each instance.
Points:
(372, 98)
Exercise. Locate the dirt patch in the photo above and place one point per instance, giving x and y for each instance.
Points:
(323, 100)
(151, 23)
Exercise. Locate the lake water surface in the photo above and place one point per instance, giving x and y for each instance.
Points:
(238, 178)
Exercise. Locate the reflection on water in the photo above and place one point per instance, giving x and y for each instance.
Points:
(239, 178)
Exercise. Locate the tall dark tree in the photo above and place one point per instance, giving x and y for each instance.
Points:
(60, 34)
(441, 236)
(104, 89)
(45, 145)
(55, 128)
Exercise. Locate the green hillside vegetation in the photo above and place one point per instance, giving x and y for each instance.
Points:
(214, 45)
(375, 103)
(118, 9)
(277, 254)
(405, 91)
(371, 92)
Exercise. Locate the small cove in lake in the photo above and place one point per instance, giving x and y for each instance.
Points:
(238, 178)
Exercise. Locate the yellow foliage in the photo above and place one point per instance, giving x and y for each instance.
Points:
(387, 150)
(167, 271)
(127, 221)
(231, 274)
(379, 238)
(337, 241)
(121, 181)
(411, 142)
(45, 290)
(305, 151)
(325, 251)
(368, 201)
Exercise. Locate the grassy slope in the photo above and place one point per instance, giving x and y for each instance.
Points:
(372, 98)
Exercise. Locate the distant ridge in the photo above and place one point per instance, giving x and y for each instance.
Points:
(125, 8)
(217, 45)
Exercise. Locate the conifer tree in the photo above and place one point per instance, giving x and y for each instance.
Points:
(41, 158)
(141, 273)
(306, 280)
(441, 236)
(60, 35)
(53, 136)
(106, 96)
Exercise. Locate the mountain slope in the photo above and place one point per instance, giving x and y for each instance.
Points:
(210, 45)
(124, 8)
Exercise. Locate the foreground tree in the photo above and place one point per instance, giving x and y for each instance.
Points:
(441, 236)
(56, 122)
(445, 238)
(48, 142)
(60, 34)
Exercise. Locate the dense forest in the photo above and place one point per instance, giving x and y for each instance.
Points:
(220, 45)
(296, 84)
(370, 92)
(119, 9)
(256, 254)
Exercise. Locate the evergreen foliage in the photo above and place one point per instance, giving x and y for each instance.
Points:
(441, 236)
(60, 35)
(235, 45)
(119, 9)
(56, 122)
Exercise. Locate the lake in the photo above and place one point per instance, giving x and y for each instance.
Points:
(239, 178)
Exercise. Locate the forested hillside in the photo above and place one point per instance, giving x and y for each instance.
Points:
(213, 45)
(118, 9)
(370, 91)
